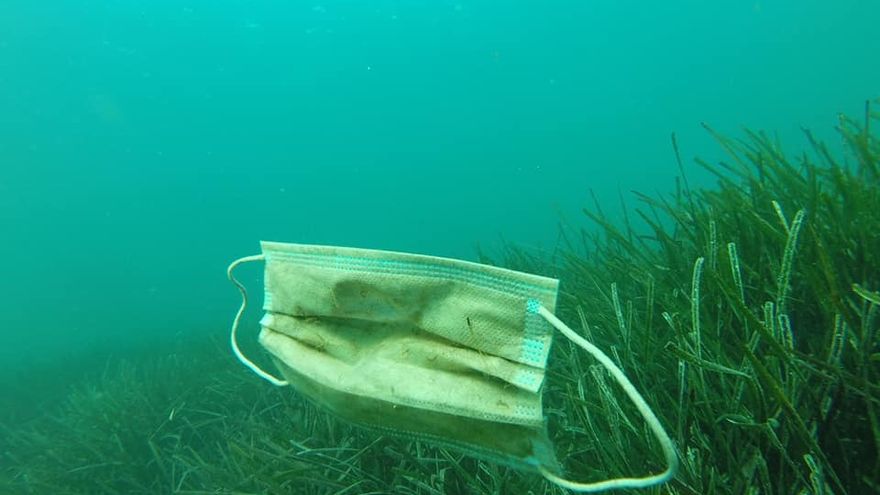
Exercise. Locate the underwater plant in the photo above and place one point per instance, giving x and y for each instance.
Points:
(748, 312)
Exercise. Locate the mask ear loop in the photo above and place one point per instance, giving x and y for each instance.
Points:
(232, 335)
(641, 405)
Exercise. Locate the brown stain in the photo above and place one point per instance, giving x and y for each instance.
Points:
(391, 301)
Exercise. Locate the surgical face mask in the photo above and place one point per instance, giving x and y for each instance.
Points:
(436, 349)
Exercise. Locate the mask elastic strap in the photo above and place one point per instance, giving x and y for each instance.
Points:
(641, 405)
(232, 340)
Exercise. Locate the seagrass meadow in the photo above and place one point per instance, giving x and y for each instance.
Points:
(746, 313)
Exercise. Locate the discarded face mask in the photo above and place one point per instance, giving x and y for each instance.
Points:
(436, 349)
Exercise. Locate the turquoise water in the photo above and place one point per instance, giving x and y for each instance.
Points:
(146, 144)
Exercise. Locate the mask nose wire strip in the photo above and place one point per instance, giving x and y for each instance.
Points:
(232, 335)
(636, 398)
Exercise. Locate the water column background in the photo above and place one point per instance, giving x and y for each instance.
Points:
(145, 145)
